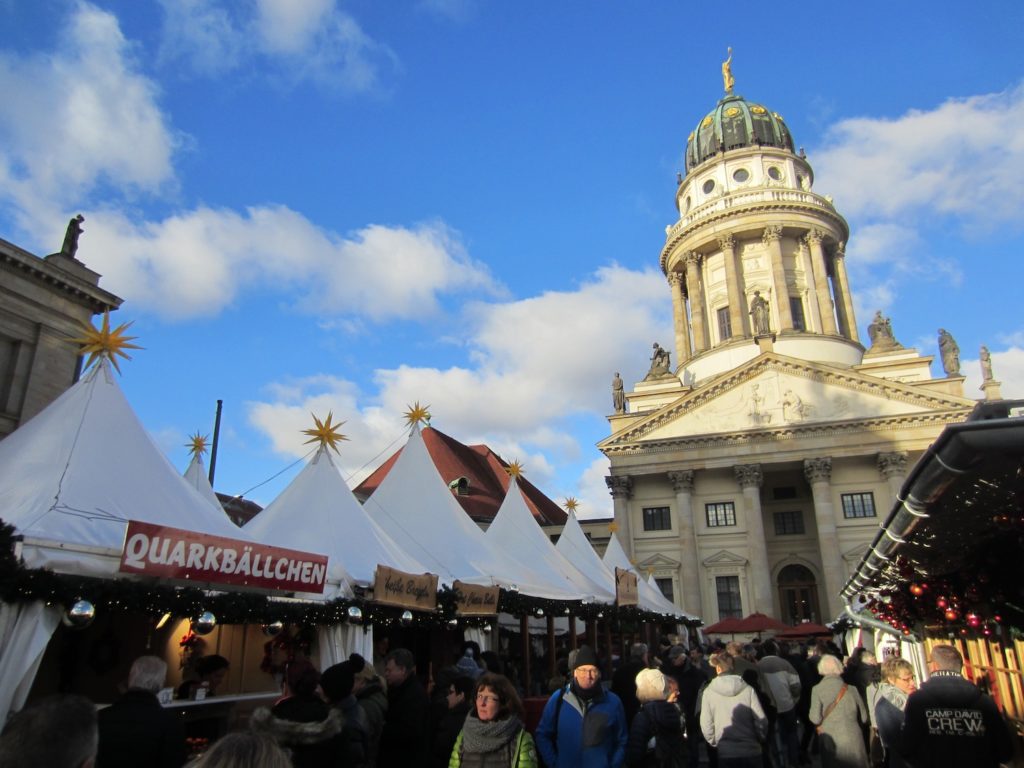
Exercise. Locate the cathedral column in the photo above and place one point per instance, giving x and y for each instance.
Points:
(828, 315)
(679, 321)
(819, 474)
(772, 237)
(732, 282)
(843, 296)
(682, 482)
(749, 478)
(621, 489)
(893, 467)
(696, 294)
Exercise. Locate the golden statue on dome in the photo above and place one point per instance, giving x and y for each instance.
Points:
(727, 79)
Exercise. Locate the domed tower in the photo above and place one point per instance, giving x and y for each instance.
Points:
(756, 259)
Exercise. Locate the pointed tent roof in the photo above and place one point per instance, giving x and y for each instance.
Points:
(414, 505)
(318, 513)
(650, 598)
(575, 547)
(519, 535)
(81, 468)
(196, 476)
(485, 479)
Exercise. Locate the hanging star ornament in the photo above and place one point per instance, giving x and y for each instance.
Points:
(571, 504)
(515, 469)
(197, 444)
(417, 414)
(102, 342)
(613, 527)
(325, 432)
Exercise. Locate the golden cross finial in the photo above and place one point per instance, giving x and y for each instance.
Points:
(515, 469)
(571, 504)
(417, 414)
(325, 432)
(197, 444)
(103, 342)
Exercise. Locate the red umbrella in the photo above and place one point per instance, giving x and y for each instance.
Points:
(723, 627)
(807, 629)
(759, 622)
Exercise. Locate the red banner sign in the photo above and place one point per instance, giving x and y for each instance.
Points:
(171, 553)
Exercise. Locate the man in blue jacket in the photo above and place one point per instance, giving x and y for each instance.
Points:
(583, 725)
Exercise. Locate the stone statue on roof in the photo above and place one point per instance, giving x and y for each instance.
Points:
(618, 394)
(71, 236)
(881, 335)
(986, 364)
(660, 364)
(950, 353)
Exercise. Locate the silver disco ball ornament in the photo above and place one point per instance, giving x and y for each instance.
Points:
(273, 629)
(204, 623)
(79, 615)
(355, 614)
(453, 623)
(540, 613)
(486, 629)
(406, 618)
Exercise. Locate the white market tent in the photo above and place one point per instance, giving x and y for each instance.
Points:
(196, 476)
(574, 545)
(70, 480)
(516, 531)
(650, 597)
(415, 506)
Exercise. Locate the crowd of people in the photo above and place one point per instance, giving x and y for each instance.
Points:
(758, 705)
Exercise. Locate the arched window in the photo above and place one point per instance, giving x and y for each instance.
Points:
(798, 595)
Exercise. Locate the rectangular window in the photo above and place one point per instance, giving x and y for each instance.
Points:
(657, 519)
(724, 324)
(720, 514)
(789, 523)
(796, 308)
(858, 505)
(728, 588)
(665, 585)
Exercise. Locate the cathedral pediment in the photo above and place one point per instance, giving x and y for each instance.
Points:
(773, 392)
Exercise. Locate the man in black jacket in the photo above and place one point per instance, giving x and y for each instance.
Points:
(690, 679)
(136, 730)
(624, 680)
(404, 743)
(949, 722)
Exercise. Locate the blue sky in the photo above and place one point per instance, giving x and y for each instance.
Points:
(312, 205)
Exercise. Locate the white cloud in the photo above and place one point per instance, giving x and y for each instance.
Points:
(523, 387)
(961, 159)
(197, 262)
(593, 491)
(78, 116)
(300, 39)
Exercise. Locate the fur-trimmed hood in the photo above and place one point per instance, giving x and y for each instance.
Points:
(294, 733)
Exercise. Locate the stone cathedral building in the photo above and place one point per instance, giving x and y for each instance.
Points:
(753, 473)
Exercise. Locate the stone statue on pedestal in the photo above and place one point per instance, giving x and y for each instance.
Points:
(660, 365)
(618, 394)
(71, 236)
(949, 352)
(759, 314)
(881, 335)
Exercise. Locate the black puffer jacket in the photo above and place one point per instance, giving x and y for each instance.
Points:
(660, 720)
(307, 728)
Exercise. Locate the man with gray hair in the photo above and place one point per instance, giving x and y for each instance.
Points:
(624, 680)
(136, 729)
(58, 732)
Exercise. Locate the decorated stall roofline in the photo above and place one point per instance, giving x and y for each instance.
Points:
(21, 585)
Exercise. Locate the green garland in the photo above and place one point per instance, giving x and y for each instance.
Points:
(19, 585)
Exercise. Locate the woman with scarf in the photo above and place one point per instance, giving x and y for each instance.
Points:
(493, 735)
(897, 684)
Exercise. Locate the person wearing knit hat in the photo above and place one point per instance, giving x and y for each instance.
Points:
(583, 725)
(337, 683)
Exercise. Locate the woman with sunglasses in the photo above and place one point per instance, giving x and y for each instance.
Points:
(494, 734)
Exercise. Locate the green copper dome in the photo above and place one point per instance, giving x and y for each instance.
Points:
(735, 123)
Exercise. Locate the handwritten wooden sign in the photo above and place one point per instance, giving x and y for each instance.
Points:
(475, 600)
(417, 591)
(625, 587)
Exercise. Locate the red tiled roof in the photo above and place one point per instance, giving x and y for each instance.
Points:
(485, 471)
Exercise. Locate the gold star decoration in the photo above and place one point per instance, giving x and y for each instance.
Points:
(571, 504)
(197, 444)
(417, 414)
(325, 432)
(103, 342)
(515, 469)
(613, 527)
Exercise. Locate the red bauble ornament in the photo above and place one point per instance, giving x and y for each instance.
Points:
(973, 619)
(951, 615)
(942, 603)
(917, 589)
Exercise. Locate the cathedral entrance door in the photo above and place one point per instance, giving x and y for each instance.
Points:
(798, 595)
